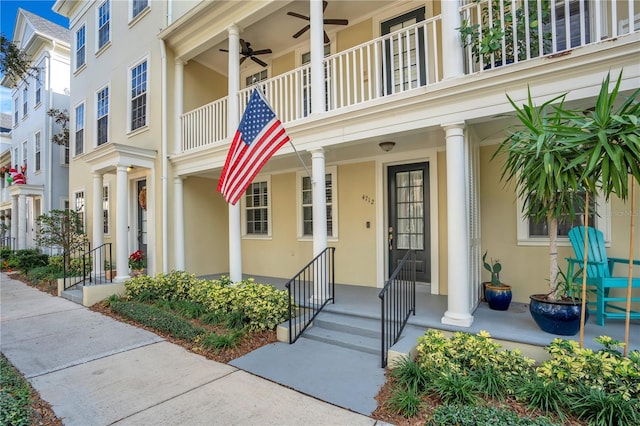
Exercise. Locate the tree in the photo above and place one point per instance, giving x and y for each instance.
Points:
(61, 228)
(61, 117)
(15, 63)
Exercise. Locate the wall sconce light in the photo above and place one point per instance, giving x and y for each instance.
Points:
(130, 168)
(387, 145)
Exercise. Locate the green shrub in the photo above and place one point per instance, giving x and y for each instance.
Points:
(173, 286)
(447, 414)
(455, 387)
(408, 373)
(158, 319)
(602, 408)
(56, 262)
(30, 258)
(6, 253)
(405, 401)
(544, 394)
(43, 274)
(15, 396)
(220, 341)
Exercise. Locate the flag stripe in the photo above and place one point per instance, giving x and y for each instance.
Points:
(259, 135)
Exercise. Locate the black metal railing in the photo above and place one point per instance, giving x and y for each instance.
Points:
(100, 261)
(74, 268)
(397, 301)
(8, 242)
(309, 291)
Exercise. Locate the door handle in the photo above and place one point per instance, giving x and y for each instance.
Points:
(390, 238)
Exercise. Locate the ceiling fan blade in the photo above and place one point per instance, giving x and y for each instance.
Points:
(244, 58)
(224, 50)
(258, 61)
(326, 38)
(336, 21)
(302, 31)
(297, 15)
(262, 52)
(244, 44)
(324, 5)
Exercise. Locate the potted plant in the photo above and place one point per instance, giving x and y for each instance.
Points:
(496, 26)
(540, 163)
(137, 262)
(496, 293)
(109, 270)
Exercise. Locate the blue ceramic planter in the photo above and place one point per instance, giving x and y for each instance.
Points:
(556, 317)
(498, 297)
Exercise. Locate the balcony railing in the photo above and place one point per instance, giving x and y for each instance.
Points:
(502, 32)
(499, 32)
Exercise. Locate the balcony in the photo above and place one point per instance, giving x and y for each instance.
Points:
(496, 33)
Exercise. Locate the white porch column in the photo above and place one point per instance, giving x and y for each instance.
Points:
(179, 223)
(458, 251)
(98, 230)
(14, 221)
(122, 224)
(233, 119)
(317, 56)
(22, 222)
(452, 52)
(319, 199)
(178, 87)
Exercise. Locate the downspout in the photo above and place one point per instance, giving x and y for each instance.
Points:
(165, 160)
(48, 201)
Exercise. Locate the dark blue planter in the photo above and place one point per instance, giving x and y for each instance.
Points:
(498, 297)
(556, 317)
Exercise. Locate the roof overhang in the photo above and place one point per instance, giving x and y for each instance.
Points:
(106, 158)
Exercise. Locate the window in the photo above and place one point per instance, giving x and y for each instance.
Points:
(305, 189)
(105, 209)
(25, 102)
(65, 153)
(80, 46)
(257, 219)
(16, 103)
(137, 7)
(39, 78)
(79, 207)
(575, 33)
(255, 78)
(306, 81)
(24, 153)
(537, 233)
(103, 116)
(79, 134)
(37, 149)
(104, 19)
(139, 96)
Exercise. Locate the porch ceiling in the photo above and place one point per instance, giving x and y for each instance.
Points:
(273, 31)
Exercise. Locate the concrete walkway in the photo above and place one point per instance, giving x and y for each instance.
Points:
(94, 370)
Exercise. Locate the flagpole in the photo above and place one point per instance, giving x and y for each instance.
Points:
(300, 158)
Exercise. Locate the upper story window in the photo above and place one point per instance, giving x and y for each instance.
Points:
(102, 108)
(257, 209)
(80, 46)
(255, 78)
(531, 232)
(25, 102)
(79, 133)
(79, 207)
(104, 21)
(24, 153)
(137, 7)
(39, 78)
(37, 152)
(305, 204)
(139, 96)
(16, 103)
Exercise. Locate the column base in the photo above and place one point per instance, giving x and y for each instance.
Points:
(460, 320)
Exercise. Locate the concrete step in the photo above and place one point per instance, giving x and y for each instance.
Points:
(73, 294)
(343, 339)
(349, 324)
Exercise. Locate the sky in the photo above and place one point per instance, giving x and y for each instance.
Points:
(8, 12)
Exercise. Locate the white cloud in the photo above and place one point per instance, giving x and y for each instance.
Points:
(5, 100)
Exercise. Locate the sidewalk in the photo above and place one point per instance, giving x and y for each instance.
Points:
(94, 370)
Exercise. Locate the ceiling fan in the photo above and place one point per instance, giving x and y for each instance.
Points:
(248, 52)
(326, 22)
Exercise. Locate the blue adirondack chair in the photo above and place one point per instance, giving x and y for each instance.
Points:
(600, 279)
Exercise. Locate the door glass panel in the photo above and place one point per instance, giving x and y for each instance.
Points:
(409, 187)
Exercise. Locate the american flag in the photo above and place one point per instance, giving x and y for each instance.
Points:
(259, 135)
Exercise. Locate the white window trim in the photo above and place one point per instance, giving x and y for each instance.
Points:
(37, 148)
(25, 103)
(134, 19)
(129, 81)
(243, 212)
(77, 68)
(74, 207)
(108, 187)
(95, 117)
(99, 49)
(333, 171)
(603, 223)
(38, 87)
(25, 153)
(75, 129)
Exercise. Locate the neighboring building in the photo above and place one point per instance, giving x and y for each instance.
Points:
(397, 121)
(6, 125)
(43, 164)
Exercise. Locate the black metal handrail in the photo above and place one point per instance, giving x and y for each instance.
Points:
(73, 267)
(100, 261)
(397, 302)
(309, 291)
(8, 242)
